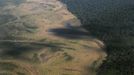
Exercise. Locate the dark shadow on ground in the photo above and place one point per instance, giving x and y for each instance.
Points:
(69, 33)
(17, 49)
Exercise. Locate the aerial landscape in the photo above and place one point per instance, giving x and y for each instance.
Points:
(66, 37)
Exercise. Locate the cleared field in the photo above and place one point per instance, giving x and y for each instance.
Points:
(41, 37)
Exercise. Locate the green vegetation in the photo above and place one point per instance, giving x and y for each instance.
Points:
(13, 28)
(67, 57)
(6, 18)
(113, 24)
(7, 66)
(35, 58)
(12, 68)
(116, 29)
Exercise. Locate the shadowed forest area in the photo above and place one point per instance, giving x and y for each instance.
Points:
(111, 21)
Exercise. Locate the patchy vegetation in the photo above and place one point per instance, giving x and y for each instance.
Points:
(30, 43)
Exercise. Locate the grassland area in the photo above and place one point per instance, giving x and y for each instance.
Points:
(41, 37)
(50, 57)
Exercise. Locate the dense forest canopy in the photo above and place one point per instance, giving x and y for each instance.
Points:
(113, 22)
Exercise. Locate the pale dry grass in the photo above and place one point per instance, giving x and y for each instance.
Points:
(73, 57)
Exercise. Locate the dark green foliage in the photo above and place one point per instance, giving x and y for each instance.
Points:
(7, 66)
(19, 73)
(6, 73)
(67, 57)
(116, 30)
(6, 18)
(35, 58)
(13, 27)
(113, 22)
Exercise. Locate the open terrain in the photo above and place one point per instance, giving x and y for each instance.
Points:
(41, 37)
